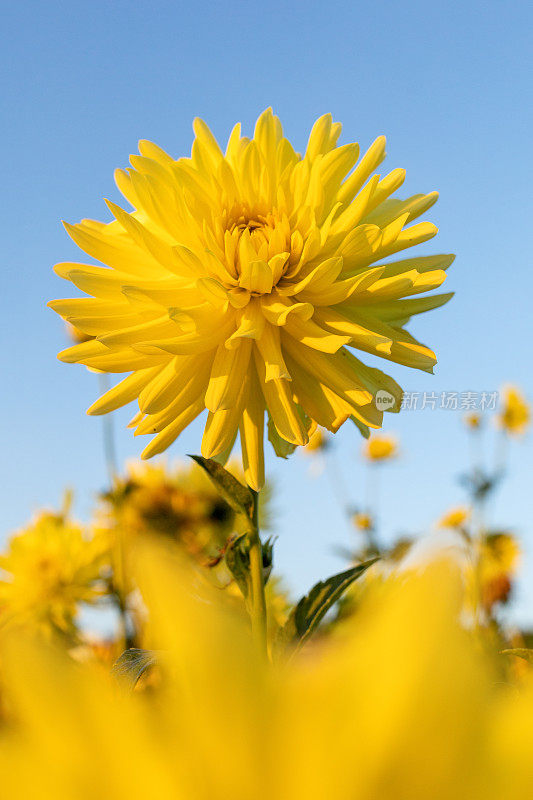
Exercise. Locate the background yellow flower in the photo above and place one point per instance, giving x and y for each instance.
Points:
(454, 518)
(515, 414)
(380, 448)
(49, 568)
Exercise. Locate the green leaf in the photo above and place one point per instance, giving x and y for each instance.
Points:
(310, 610)
(522, 652)
(282, 448)
(132, 664)
(238, 561)
(237, 496)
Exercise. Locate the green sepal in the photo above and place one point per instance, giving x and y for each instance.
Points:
(282, 448)
(238, 562)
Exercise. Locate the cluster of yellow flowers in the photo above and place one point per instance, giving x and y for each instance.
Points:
(49, 569)
(55, 567)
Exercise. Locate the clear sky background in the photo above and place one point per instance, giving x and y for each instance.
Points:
(450, 86)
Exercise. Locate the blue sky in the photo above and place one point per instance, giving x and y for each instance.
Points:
(448, 83)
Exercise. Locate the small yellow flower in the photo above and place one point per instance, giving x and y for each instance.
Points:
(240, 280)
(472, 420)
(49, 569)
(363, 521)
(318, 441)
(380, 448)
(515, 414)
(455, 518)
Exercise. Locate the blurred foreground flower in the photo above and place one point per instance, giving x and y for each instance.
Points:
(238, 282)
(49, 569)
(515, 415)
(345, 720)
(380, 448)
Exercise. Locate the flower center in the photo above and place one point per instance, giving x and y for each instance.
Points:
(257, 246)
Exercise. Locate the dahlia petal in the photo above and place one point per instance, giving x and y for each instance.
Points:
(208, 141)
(334, 370)
(319, 137)
(117, 253)
(390, 232)
(420, 263)
(415, 206)
(356, 211)
(360, 245)
(269, 346)
(265, 136)
(124, 392)
(189, 343)
(162, 252)
(358, 334)
(312, 395)
(251, 324)
(161, 326)
(221, 427)
(96, 325)
(387, 186)
(78, 352)
(169, 434)
(156, 153)
(307, 332)
(281, 406)
(396, 310)
(256, 276)
(251, 429)
(191, 390)
(227, 375)
(166, 386)
(401, 285)
(341, 291)
(278, 309)
(125, 360)
(321, 277)
(213, 291)
(371, 159)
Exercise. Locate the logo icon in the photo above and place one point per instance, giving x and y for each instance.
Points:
(384, 400)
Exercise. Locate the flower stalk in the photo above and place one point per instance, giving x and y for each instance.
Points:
(257, 583)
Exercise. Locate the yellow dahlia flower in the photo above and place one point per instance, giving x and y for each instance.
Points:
(240, 280)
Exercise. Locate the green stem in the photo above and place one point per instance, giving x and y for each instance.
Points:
(258, 602)
(108, 433)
